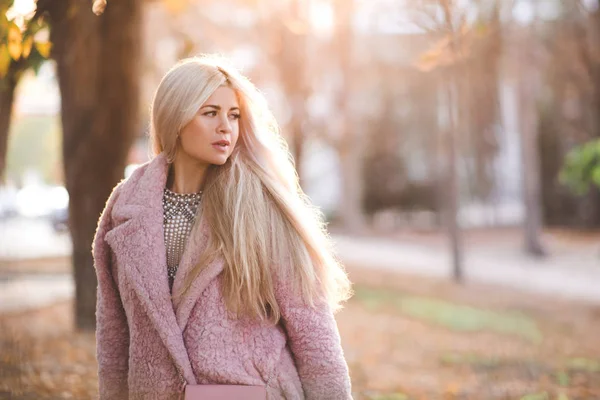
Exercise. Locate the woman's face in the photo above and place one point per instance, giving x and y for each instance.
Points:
(210, 137)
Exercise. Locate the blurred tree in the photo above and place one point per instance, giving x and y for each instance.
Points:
(479, 34)
(386, 179)
(447, 20)
(347, 139)
(480, 102)
(384, 172)
(23, 45)
(333, 75)
(524, 45)
(97, 61)
(400, 167)
(293, 26)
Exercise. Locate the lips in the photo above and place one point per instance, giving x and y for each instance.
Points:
(222, 146)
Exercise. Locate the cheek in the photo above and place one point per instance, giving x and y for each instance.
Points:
(195, 133)
(235, 135)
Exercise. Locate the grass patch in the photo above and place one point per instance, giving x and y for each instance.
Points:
(583, 364)
(563, 378)
(453, 316)
(393, 396)
(526, 369)
(536, 396)
(472, 360)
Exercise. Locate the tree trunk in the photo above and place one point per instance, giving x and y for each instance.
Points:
(293, 75)
(351, 162)
(349, 144)
(453, 86)
(98, 69)
(451, 176)
(530, 156)
(7, 95)
(298, 135)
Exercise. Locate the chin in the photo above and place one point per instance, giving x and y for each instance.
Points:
(215, 159)
(219, 160)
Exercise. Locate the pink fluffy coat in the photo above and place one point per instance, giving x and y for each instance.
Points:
(143, 339)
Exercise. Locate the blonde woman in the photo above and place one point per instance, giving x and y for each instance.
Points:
(213, 268)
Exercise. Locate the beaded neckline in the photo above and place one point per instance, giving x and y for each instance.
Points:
(179, 214)
(182, 197)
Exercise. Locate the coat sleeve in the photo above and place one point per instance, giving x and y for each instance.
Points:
(315, 343)
(112, 331)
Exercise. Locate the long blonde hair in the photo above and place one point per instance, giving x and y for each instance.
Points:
(261, 222)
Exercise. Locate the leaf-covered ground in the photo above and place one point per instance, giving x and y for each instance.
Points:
(404, 338)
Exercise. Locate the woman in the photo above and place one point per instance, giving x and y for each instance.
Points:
(213, 267)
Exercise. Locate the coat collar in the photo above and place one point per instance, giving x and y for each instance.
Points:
(138, 242)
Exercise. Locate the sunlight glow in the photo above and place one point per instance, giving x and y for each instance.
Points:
(321, 18)
(21, 8)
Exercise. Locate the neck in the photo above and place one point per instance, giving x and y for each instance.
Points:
(186, 175)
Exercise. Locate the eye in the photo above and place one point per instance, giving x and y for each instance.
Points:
(210, 113)
(234, 116)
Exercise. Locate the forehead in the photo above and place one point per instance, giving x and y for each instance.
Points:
(223, 96)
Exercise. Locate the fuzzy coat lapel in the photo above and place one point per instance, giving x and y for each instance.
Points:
(194, 248)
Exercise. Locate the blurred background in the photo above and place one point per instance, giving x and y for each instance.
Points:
(453, 146)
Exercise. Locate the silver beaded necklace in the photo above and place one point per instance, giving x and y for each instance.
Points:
(179, 210)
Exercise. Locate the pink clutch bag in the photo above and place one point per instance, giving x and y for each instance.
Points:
(225, 392)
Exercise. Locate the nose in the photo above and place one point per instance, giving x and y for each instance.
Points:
(225, 125)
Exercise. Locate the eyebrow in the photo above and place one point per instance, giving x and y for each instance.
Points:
(219, 107)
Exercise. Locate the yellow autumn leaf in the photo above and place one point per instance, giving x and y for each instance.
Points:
(453, 388)
(429, 60)
(175, 6)
(4, 60)
(15, 46)
(27, 43)
(43, 48)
